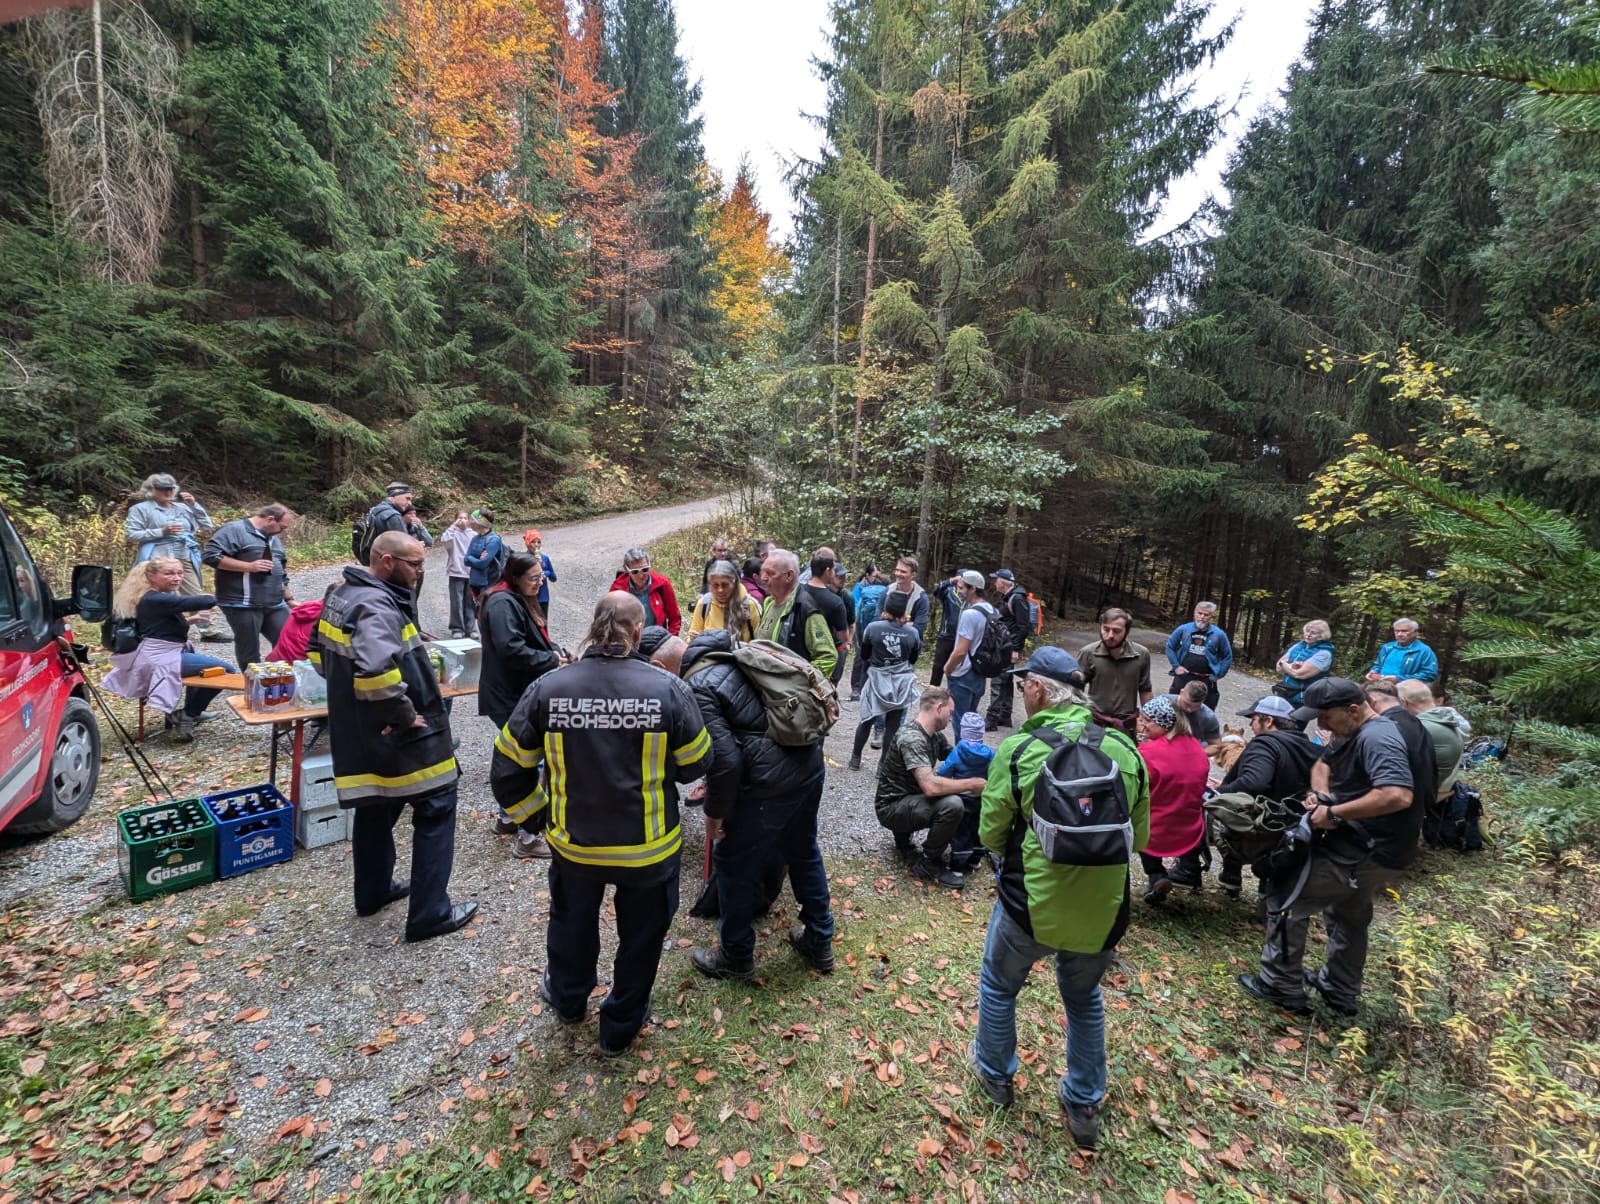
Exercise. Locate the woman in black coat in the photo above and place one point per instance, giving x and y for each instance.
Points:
(517, 651)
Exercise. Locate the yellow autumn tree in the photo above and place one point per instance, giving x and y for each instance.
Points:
(749, 267)
(467, 71)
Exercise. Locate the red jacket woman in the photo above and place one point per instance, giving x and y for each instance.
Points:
(655, 592)
(1178, 768)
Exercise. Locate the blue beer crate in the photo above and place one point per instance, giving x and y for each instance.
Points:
(255, 828)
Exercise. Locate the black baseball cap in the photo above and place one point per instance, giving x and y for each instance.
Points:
(1329, 694)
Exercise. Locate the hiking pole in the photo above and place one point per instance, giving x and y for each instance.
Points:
(130, 746)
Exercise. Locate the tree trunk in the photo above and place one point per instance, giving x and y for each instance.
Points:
(833, 395)
(102, 147)
(930, 452)
(866, 300)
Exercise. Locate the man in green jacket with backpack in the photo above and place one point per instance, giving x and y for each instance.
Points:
(1067, 806)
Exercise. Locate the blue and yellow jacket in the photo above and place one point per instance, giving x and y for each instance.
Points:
(613, 737)
(379, 677)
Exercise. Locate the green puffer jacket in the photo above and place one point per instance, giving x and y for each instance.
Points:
(1081, 909)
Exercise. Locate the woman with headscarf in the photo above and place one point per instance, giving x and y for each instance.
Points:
(725, 606)
(890, 648)
(1177, 765)
(517, 651)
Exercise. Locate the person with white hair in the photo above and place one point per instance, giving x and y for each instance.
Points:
(790, 615)
(1404, 658)
(167, 521)
(1200, 651)
(1073, 913)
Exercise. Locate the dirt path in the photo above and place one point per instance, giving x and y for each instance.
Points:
(313, 1012)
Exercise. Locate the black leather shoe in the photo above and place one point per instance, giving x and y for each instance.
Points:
(1314, 983)
(714, 963)
(397, 891)
(1253, 987)
(460, 916)
(816, 954)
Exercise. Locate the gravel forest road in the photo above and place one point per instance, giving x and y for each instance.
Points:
(376, 1040)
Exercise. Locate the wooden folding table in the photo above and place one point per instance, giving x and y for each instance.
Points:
(298, 717)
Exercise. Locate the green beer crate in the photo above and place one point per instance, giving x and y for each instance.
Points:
(166, 847)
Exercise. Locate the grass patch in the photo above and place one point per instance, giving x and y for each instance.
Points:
(99, 1095)
(1471, 1075)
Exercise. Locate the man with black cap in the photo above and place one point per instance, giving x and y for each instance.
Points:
(1361, 807)
(1075, 913)
(1275, 764)
(386, 515)
(1017, 615)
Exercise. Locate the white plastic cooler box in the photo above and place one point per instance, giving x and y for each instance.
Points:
(459, 662)
(320, 820)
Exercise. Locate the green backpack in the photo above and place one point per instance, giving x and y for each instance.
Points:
(802, 705)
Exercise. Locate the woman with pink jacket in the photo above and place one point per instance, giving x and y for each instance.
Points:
(1178, 766)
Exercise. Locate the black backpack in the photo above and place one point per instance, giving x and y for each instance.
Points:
(1457, 822)
(119, 636)
(362, 532)
(992, 656)
(1080, 804)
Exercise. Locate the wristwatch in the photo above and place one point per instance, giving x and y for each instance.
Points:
(1327, 803)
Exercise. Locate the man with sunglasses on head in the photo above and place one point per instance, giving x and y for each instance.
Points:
(390, 736)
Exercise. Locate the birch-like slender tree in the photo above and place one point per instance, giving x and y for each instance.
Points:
(106, 75)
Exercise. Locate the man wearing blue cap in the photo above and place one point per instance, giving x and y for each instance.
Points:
(1076, 913)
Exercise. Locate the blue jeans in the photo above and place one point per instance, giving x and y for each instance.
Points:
(195, 700)
(757, 829)
(1008, 955)
(967, 690)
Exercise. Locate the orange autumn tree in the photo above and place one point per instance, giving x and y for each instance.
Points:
(468, 71)
(601, 197)
(749, 267)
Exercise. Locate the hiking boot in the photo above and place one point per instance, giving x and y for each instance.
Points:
(544, 994)
(1184, 875)
(1158, 888)
(904, 847)
(930, 870)
(183, 728)
(505, 827)
(817, 954)
(531, 850)
(714, 963)
(1314, 983)
(1083, 1122)
(1256, 989)
(855, 761)
(1231, 881)
(877, 738)
(1000, 1091)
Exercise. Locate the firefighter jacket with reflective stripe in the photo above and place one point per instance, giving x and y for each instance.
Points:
(613, 736)
(379, 681)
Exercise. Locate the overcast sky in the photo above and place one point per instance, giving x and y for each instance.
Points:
(753, 61)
